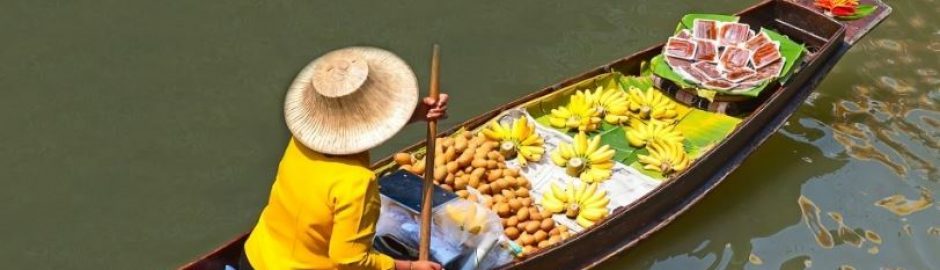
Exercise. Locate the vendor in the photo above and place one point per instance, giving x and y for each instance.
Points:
(324, 202)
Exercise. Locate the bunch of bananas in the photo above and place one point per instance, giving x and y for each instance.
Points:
(585, 159)
(585, 203)
(579, 114)
(520, 141)
(651, 105)
(639, 134)
(468, 216)
(665, 157)
(611, 103)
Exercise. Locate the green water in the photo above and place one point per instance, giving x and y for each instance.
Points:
(140, 135)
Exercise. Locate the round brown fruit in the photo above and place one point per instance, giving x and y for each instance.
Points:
(547, 224)
(543, 244)
(502, 209)
(512, 233)
(512, 221)
(403, 158)
(532, 226)
(522, 215)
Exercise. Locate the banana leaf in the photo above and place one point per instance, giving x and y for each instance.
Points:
(703, 129)
(616, 137)
(789, 49)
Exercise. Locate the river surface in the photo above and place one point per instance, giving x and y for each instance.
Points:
(141, 134)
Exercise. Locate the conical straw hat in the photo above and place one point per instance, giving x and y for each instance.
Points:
(350, 100)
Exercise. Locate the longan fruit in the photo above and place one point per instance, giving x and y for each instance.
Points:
(447, 187)
(449, 179)
(514, 204)
(464, 159)
(554, 239)
(478, 163)
(510, 181)
(522, 215)
(511, 172)
(500, 184)
(522, 192)
(532, 226)
(461, 183)
(491, 164)
(508, 194)
(511, 221)
(439, 173)
(403, 158)
(463, 193)
(493, 175)
(527, 201)
(450, 154)
(534, 214)
(460, 143)
(527, 239)
(502, 209)
(484, 188)
(512, 233)
(452, 167)
(528, 250)
(543, 244)
(547, 224)
(523, 182)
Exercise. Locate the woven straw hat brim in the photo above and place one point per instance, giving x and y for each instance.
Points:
(360, 120)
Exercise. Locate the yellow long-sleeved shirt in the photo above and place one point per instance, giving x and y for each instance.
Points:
(321, 215)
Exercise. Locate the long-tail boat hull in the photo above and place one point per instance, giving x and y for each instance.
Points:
(826, 41)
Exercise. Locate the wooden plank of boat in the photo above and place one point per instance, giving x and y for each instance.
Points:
(826, 41)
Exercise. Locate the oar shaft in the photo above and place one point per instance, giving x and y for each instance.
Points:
(428, 187)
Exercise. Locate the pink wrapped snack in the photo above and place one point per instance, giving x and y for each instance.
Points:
(706, 50)
(756, 41)
(731, 34)
(681, 48)
(733, 57)
(766, 54)
(705, 29)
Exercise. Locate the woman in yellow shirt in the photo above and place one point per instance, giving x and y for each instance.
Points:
(324, 202)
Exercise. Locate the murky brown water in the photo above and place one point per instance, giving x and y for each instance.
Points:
(140, 135)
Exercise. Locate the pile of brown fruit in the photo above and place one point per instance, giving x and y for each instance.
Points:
(468, 160)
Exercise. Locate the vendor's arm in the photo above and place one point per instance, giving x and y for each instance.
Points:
(430, 109)
(354, 222)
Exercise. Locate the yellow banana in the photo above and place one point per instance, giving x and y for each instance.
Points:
(579, 114)
(586, 203)
(640, 133)
(651, 105)
(585, 158)
(519, 139)
(665, 157)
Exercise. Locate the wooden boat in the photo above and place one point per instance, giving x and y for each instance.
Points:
(826, 40)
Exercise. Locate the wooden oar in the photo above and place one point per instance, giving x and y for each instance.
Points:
(425, 243)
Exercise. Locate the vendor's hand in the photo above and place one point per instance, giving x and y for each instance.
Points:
(425, 265)
(430, 109)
